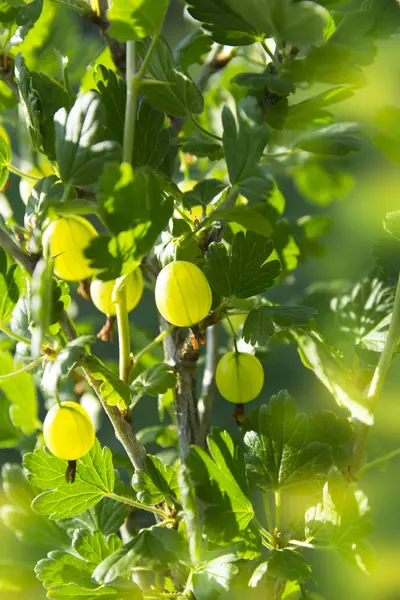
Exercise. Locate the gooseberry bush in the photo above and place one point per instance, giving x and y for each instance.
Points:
(146, 165)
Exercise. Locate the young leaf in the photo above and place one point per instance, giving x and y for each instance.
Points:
(81, 148)
(221, 483)
(168, 89)
(5, 158)
(245, 272)
(132, 20)
(20, 392)
(156, 483)
(94, 480)
(154, 381)
(113, 391)
(277, 440)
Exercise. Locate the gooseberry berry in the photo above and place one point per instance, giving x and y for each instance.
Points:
(66, 239)
(183, 294)
(101, 293)
(239, 377)
(68, 431)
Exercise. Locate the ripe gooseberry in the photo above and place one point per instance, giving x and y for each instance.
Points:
(101, 293)
(239, 377)
(66, 239)
(68, 431)
(183, 294)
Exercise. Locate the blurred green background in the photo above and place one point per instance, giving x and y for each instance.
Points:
(357, 225)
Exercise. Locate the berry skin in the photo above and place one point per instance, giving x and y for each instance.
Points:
(183, 294)
(101, 293)
(68, 431)
(66, 239)
(239, 377)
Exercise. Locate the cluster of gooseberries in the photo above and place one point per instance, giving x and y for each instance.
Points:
(183, 297)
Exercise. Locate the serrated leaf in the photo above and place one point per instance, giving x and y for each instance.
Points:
(5, 158)
(221, 482)
(258, 327)
(12, 287)
(81, 147)
(135, 19)
(112, 90)
(201, 147)
(291, 316)
(21, 393)
(283, 458)
(192, 49)
(288, 565)
(154, 381)
(168, 89)
(244, 216)
(156, 483)
(245, 272)
(152, 138)
(94, 480)
(113, 391)
(203, 192)
(66, 360)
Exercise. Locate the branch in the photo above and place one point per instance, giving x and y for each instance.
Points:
(377, 382)
(208, 385)
(122, 428)
(179, 353)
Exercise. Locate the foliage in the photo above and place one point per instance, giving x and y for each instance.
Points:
(191, 152)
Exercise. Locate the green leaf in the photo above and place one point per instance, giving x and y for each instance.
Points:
(335, 376)
(9, 434)
(12, 287)
(112, 90)
(168, 89)
(201, 147)
(313, 110)
(113, 391)
(244, 216)
(265, 81)
(258, 327)
(288, 565)
(392, 223)
(156, 483)
(41, 97)
(233, 23)
(94, 480)
(337, 139)
(245, 272)
(164, 435)
(342, 520)
(244, 142)
(329, 428)
(211, 579)
(153, 549)
(192, 49)
(17, 515)
(221, 482)
(5, 158)
(67, 360)
(319, 184)
(66, 574)
(135, 19)
(203, 192)
(154, 381)
(135, 211)
(21, 393)
(151, 137)
(277, 441)
(107, 516)
(291, 316)
(81, 147)
(46, 194)
(363, 314)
